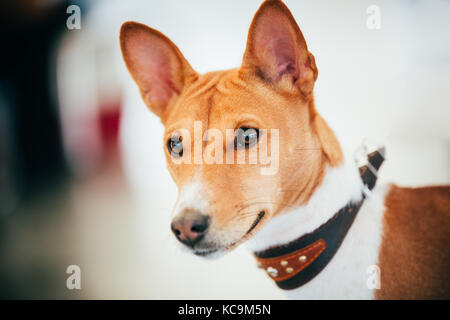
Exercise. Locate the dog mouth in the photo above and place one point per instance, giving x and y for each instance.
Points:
(205, 252)
(209, 252)
(256, 222)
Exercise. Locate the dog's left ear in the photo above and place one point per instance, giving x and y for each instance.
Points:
(276, 50)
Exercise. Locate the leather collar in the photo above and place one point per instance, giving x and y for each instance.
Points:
(297, 262)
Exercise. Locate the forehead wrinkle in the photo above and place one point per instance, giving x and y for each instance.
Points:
(216, 108)
(209, 104)
(202, 97)
(205, 83)
(228, 83)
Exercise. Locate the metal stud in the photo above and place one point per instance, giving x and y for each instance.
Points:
(272, 271)
(284, 263)
(302, 259)
(289, 269)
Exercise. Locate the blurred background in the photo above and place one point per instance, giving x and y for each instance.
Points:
(83, 179)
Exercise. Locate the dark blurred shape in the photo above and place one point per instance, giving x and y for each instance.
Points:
(46, 142)
(31, 152)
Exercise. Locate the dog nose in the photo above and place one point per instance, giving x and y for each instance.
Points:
(190, 228)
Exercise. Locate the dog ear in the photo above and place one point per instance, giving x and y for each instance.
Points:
(156, 64)
(276, 50)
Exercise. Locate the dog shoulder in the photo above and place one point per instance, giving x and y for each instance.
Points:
(414, 258)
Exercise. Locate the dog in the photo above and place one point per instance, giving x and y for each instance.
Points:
(318, 224)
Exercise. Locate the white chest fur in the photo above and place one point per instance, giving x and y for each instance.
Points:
(347, 274)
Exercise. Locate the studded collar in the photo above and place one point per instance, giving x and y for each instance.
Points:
(297, 262)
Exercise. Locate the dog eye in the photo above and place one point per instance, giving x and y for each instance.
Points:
(175, 146)
(246, 137)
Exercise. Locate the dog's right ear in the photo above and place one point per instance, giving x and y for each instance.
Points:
(156, 64)
(276, 50)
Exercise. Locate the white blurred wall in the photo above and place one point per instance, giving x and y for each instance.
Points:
(389, 85)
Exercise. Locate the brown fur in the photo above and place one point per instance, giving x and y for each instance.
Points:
(414, 256)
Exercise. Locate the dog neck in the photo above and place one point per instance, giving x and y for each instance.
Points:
(340, 186)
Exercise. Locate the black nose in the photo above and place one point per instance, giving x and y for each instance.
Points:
(190, 228)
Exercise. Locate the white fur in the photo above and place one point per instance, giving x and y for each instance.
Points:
(339, 186)
(192, 196)
(345, 277)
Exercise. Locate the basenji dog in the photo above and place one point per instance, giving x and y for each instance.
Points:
(317, 224)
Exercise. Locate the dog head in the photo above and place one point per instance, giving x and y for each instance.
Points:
(262, 112)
